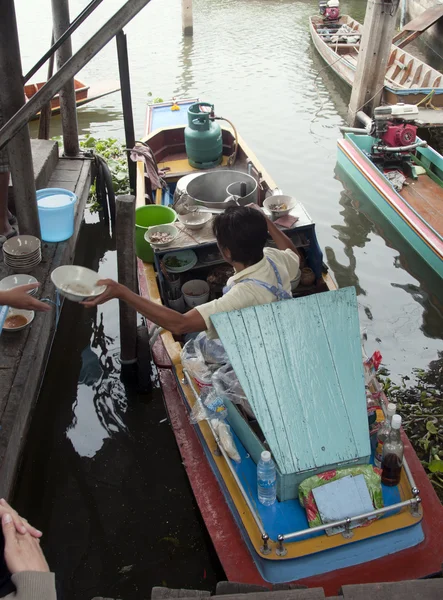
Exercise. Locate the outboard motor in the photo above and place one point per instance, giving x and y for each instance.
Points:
(332, 10)
(395, 129)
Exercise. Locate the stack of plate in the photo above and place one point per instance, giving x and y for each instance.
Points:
(13, 281)
(22, 253)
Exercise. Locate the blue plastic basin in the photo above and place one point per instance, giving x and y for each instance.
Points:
(56, 210)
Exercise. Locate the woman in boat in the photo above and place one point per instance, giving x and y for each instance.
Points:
(262, 275)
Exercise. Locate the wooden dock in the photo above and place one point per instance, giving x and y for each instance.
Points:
(25, 353)
(422, 589)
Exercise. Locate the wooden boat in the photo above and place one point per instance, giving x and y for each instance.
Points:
(403, 545)
(83, 94)
(407, 80)
(416, 212)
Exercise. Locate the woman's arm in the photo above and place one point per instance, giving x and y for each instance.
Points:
(157, 313)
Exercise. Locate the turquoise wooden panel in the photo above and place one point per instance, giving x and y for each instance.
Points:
(300, 365)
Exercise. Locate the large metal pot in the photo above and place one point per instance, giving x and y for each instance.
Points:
(210, 189)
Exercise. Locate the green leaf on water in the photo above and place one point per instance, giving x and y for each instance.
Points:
(436, 466)
(431, 427)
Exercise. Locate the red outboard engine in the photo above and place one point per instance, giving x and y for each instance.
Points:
(332, 10)
(399, 134)
(395, 125)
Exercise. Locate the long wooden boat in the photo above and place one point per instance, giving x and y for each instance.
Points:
(416, 211)
(404, 544)
(83, 94)
(407, 80)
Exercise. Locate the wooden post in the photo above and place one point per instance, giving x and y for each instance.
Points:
(44, 126)
(375, 48)
(187, 20)
(12, 98)
(68, 109)
(128, 118)
(127, 275)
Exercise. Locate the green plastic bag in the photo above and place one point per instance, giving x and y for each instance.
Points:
(372, 477)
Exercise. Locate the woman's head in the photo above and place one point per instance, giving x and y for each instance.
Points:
(241, 234)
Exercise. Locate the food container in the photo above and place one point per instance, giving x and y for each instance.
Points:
(275, 200)
(17, 319)
(195, 220)
(307, 276)
(77, 283)
(168, 229)
(195, 292)
(180, 261)
(178, 304)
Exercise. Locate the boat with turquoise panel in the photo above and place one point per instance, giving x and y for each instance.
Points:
(299, 363)
(416, 211)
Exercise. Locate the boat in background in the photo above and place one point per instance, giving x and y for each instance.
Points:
(407, 79)
(405, 544)
(83, 94)
(414, 206)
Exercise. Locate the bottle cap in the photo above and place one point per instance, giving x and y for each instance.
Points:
(265, 456)
(396, 422)
(392, 408)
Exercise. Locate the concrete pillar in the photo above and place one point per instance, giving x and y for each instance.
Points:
(187, 20)
(12, 98)
(375, 48)
(68, 111)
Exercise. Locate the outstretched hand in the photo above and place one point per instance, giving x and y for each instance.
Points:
(113, 290)
(21, 525)
(19, 298)
(22, 551)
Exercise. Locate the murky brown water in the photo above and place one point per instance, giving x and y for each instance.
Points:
(254, 60)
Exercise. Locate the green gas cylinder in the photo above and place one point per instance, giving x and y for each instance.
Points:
(203, 137)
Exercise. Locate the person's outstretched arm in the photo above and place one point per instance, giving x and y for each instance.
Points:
(165, 317)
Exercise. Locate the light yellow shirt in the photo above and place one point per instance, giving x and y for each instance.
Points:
(242, 295)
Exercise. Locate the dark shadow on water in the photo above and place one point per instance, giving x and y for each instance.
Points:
(360, 218)
(101, 473)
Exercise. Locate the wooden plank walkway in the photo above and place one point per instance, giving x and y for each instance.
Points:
(25, 353)
(422, 589)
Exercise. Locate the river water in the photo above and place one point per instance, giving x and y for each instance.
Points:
(254, 60)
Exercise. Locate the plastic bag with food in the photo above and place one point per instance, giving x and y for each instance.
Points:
(212, 351)
(193, 361)
(227, 385)
(226, 439)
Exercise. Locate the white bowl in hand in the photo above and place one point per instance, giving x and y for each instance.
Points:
(77, 283)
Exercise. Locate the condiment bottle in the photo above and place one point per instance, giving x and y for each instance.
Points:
(392, 454)
(383, 433)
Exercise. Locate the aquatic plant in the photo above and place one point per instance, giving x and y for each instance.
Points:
(420, 403)
(115, 155)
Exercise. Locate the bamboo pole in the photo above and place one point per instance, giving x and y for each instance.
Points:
(128, 118)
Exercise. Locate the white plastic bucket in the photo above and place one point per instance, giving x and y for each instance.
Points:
(56, 211)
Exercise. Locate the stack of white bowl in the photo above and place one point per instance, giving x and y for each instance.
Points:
(13, 281)
(22, 253)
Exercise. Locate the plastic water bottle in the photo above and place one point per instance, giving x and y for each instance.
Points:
(266, 479)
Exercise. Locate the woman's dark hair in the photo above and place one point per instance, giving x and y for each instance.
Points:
(243, 231)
